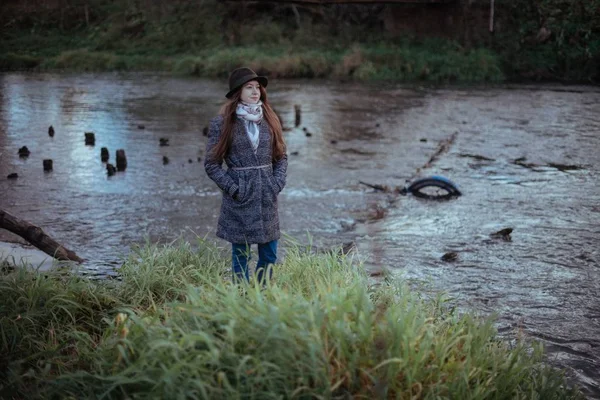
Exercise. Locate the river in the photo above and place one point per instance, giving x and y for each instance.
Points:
(525, 157)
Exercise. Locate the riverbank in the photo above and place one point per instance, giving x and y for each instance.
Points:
(553, 42)
(360, 62)
(16, 254)
(175, 321)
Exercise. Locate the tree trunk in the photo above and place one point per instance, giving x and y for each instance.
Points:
(36, 236)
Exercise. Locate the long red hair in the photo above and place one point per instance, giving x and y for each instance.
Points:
(229, 116)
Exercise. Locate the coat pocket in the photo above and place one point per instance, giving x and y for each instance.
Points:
(241, 195)
(273, 184)
(239, 179)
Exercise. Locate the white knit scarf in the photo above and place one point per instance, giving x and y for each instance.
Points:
(252, 115)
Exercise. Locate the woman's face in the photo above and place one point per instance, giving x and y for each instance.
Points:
(250, 92)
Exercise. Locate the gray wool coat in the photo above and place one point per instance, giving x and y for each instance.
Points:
(249, 205)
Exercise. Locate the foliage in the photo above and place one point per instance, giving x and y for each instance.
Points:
(540, 39)
(551, 39)
(175, 327)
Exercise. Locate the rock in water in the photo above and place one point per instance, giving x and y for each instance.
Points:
(450, 256)
(503, 234)
(24, 152)
(110, 169)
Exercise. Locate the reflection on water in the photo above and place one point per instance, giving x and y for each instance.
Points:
(508, 158)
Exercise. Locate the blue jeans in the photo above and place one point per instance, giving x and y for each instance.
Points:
(240, 254)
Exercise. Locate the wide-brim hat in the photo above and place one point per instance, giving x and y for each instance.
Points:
(239, 76)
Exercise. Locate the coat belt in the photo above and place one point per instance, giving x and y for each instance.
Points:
(255, 167)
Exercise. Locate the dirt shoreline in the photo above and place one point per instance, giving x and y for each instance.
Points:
(19, 254)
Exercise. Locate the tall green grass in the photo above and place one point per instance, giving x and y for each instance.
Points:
(175, 327)
(406, 63)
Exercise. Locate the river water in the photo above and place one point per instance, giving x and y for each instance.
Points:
(525, 156)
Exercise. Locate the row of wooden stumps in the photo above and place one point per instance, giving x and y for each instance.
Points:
(37, 237)
(90, 140)
(121, 157)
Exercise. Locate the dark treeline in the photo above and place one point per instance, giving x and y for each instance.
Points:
(541, 39)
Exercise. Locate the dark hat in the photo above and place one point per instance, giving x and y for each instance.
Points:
(242, 75)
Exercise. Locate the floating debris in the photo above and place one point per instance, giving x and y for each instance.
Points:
(14, 175)
(561, 167)
(521, 162)
(476, 157)
(376, 186)
(163, 141)
(358, 152)
(51, 131)
(443, 147)
(416, 188)
(565, 167)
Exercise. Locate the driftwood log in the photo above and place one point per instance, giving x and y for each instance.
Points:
(36, 236)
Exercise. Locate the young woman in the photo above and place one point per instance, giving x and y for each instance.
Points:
(247, 136)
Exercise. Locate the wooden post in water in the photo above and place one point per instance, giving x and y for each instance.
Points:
(110, 169)
(104, 156)
(90, 139)
(24, 152)
(47, 165)
(121, 160)
(298, 112)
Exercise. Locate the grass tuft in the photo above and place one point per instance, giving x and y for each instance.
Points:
(175, 327)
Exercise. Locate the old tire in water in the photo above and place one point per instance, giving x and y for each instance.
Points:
(434, 181)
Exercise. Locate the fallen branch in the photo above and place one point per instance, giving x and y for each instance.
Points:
(443, 147)
(37, 237)
(376, 186)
